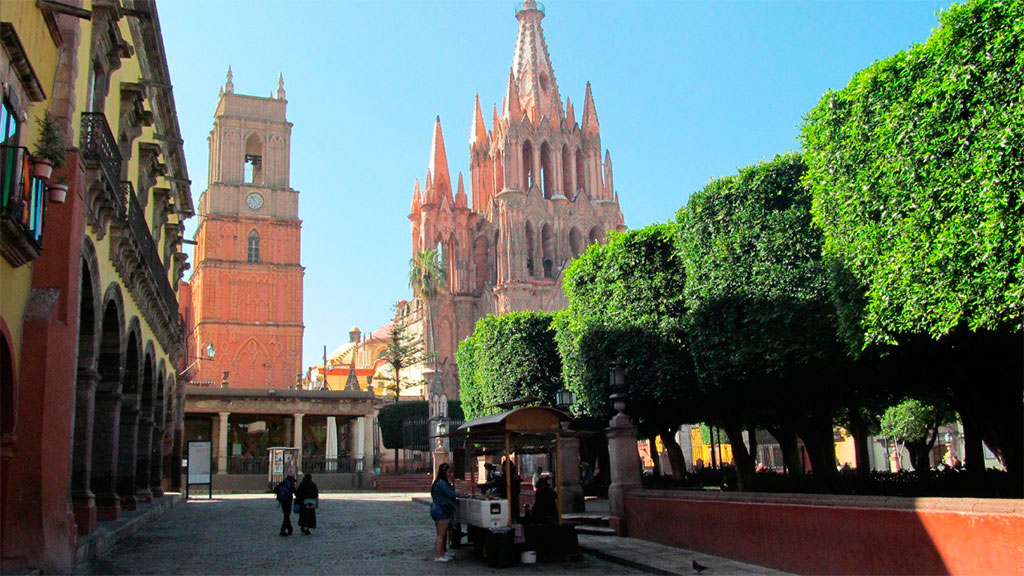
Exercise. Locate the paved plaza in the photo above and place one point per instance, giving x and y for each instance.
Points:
(359, 533)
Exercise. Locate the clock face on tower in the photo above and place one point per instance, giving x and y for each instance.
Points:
(254, 201)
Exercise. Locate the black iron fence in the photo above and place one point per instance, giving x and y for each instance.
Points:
(247, 465)
(100, 148)
(318, 465)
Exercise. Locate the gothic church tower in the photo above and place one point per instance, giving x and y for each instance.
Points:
(540, 194)
(247, 285)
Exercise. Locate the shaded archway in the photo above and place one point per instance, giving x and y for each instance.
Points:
(566, 172)
(8, 411)
(581, 179)
(129, 429)
(107, 418)
(252, 168)
(86, 381)
(575, 242)
(595, 235)
(156, 457)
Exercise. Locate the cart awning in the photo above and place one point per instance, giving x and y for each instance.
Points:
(530, 429)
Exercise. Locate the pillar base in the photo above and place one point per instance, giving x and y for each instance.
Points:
(84, 508)
(158, 492)
(128, 501)
(143, 495)
(108, 507)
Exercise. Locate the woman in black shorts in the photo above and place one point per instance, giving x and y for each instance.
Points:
(442, 510)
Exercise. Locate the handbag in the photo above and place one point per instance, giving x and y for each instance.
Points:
(296, 507)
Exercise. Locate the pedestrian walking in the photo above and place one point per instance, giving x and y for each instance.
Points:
(442, 510)
(307, 497)
(285, 491)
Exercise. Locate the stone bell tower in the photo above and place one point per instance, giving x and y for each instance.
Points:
(247, 284)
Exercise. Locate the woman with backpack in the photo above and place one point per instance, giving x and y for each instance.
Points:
(442, 510)
(307, 498)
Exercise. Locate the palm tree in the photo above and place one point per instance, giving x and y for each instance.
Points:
(425, 279)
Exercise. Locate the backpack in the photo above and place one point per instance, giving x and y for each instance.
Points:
(283, 491)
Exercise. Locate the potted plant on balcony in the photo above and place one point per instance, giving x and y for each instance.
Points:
(57, 191)
(50, 149)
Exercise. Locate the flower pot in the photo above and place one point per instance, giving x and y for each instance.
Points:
(57, 193)
(42, 168)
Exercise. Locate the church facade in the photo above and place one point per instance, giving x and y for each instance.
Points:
(542, 190)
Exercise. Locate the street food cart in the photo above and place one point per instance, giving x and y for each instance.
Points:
(490, 521)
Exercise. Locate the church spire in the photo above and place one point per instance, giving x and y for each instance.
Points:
(478, 133)
(417, 199)
(512, 111)
(229, 86)
(570, 113)
(280, 86)
(589, 113)
(531, 65)
(460, 196)
(442, 183)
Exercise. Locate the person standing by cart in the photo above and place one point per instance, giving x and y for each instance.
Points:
(442, 510)
(307, 497)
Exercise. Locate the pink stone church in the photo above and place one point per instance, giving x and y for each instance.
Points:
(540, 194)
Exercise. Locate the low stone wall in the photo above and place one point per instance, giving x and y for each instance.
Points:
(825, 534)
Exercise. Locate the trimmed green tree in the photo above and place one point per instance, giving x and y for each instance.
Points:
(917, 168)
(915, 425)
(506, 358)
(762, 322)
(627, 307)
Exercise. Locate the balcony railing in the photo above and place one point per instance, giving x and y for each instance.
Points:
(100, 148)
(22, 206)
(140, 230)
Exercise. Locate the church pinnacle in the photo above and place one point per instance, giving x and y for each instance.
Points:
(229, 86)
(531, 65)
(442, 184)
(280, 86)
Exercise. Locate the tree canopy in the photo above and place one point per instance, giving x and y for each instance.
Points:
(508, 357)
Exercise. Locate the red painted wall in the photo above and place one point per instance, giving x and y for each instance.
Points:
(812, 534)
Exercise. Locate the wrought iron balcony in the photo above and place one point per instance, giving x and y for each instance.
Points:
(99, 148)
(22, 207)
(153, 267)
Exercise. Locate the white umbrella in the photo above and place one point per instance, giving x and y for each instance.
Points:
(332, 443)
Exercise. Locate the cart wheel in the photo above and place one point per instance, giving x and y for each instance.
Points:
(455, 535)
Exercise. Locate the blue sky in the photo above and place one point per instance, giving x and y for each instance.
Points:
(684, 91)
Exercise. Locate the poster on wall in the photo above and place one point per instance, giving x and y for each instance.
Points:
(200, 466)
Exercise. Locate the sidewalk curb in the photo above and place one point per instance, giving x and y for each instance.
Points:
(107, 535)
(624, 561)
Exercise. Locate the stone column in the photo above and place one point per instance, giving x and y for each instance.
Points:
(624, 463)
(366, 441)
(156, 462)
(297, 440)
(126, 459)
(222, 444)
(82, 497)
(143, 453)
(106, 432)
(568, 477)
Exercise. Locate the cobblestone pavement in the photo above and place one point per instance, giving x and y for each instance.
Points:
(359, 533)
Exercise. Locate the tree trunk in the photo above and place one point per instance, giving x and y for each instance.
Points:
(742, 458)
(859, 432)
(752, 436)
(818, 437)
(786, 438)
(676, 458)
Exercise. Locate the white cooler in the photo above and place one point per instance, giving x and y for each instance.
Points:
(483, 513)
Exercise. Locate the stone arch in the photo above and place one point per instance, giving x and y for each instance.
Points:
(531, 270)
(107, 409)
(144, 442)
(581, 178)
(252, 162)
(595, 235)
(575, 241)
(8, 384)
(89, 305)
(547, 246)
(129, 417)
(527, 166)
(547, 175)
(156, 460)
(481, 263)
(566, 171)
(86, 380)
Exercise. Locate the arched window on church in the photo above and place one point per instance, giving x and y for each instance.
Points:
(547, 246)
(595, 235)
(567, 173)
(575, 242)
(253, 168)
(253, 253)
(581, 179)
(547, 177)
(480, 263)
(529, 250)
(494, 267)
(527, 165)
